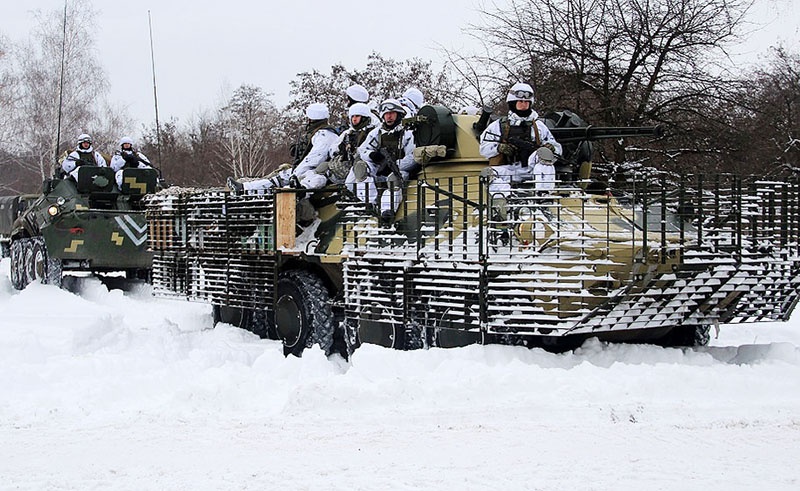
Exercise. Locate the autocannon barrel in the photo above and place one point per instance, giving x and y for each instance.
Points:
(589, 133)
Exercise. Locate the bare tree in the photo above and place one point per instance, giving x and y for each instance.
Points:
(37, 71)
(767, 119)
(8, 90)
(617, 62)
(383, 77)
(245, 137)
(248, 124)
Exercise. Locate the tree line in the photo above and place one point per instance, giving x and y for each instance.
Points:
(614, 62)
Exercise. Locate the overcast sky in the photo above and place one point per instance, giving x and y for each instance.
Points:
(205, 49)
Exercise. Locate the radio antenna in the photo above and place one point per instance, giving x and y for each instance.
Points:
(61, 86)
(155, 93)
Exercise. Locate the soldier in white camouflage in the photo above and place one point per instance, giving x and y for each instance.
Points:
(84, 154)
(344, 152)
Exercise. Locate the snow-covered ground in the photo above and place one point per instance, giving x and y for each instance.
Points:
(117, 390)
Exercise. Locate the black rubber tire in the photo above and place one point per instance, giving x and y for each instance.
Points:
(302, 313)
(686, 337)
(254, 321)
(45, 269)
(30, 262)
(18, 276)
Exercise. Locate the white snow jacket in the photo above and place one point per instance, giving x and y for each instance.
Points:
(373, 143)
(321, 143)
(118, 161)
(492, 135)
(73, 159)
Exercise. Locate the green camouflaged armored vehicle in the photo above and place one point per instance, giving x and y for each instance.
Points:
(84, 225)
(654, 260)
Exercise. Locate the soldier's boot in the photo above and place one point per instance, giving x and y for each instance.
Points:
(499, 210)
(387, 218)
(236, 187)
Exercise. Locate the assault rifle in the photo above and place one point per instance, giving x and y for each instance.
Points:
(132, 160)
(527, 147)
(79, 161)
(386, 165)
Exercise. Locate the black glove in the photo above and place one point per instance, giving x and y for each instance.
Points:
(377, 156)
(131, 159)
(507, 149)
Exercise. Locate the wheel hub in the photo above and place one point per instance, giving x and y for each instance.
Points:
(288, 320)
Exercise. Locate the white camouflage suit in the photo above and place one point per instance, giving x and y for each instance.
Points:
(321, 143)
(367, 188)
(492, 136)
(118, 159)
(70, 164)
(514, 172)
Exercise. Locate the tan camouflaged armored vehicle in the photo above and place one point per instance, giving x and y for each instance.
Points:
(655, 260)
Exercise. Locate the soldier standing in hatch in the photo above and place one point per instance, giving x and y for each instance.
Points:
(84, 154)
(509, 163)
(127, 157)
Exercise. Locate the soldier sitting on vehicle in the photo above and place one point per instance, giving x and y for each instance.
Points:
(510, 143)
(387, 162)
(127, 157)
(345, 151)
(412, 100)
(84, 154)
(356, 93)
(308, 153)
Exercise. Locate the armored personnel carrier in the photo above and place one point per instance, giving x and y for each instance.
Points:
(88, 224)
(654, 259)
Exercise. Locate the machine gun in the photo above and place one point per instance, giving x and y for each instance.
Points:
(592, 133)
(568, 127)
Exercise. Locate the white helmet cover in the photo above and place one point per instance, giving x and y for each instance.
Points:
(317, 111)
(414, 95)
(520, 92)
(358, 93)
(390, 105)
(359, 109)
(124, 140)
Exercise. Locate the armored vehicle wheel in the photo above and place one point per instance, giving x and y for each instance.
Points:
(686, 336)
(303, 313)
(30, 262)
(45, 269)
(18, 278)
(230, 315)
(253, 320)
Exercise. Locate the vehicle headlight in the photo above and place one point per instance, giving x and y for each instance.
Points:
(61, 200)
(53, 210)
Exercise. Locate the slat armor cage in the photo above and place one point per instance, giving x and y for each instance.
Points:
(647, 253)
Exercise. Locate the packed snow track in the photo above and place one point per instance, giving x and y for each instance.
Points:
(111, 389)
